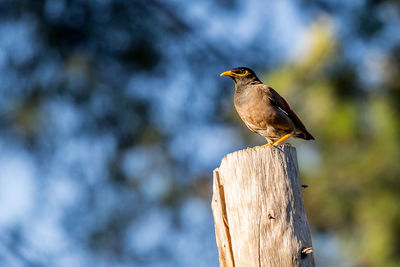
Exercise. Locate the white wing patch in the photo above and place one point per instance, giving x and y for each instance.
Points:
(283, 111)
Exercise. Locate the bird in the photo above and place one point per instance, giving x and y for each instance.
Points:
(263, 110)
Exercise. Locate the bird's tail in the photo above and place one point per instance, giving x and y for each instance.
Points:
(305, 135)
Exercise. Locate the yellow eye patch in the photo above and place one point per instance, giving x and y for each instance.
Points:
(243, 74)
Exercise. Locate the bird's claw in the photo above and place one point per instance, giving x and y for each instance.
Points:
(269, 144)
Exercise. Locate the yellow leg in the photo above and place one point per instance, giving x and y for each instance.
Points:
(267, 144)
(283, 139)
(270, 143)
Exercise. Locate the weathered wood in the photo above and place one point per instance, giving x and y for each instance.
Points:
(259, 211)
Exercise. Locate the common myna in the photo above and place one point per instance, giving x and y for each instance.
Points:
(263, 110)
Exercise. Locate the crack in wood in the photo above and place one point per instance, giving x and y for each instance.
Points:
(225, 216)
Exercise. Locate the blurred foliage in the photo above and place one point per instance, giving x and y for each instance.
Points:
(355, 189)
(112, 113)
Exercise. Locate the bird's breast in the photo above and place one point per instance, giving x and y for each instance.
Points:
(259, 115)
(252, 108)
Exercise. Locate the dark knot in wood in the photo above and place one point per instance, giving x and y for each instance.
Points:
(306, 251)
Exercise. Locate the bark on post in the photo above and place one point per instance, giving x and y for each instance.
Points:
(259, 211)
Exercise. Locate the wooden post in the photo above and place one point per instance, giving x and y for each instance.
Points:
(259, 211)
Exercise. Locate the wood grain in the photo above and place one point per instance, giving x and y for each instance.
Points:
(258, 209)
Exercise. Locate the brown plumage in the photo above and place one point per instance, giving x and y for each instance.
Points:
(263, 110)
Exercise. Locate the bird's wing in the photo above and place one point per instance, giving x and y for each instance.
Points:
(279, 102)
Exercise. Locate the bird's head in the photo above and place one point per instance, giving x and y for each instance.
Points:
(242, 76)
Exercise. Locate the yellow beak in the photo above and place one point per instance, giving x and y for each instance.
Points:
(228, 73)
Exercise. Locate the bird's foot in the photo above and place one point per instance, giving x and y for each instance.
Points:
(283, 139)
(269, 144)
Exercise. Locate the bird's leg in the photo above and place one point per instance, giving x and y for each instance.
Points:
(270, 142)
(283, 139)
(267, 144)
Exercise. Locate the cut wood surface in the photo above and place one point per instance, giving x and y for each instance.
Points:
(259, 211)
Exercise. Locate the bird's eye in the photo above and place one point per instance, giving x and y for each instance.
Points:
(242, 73)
